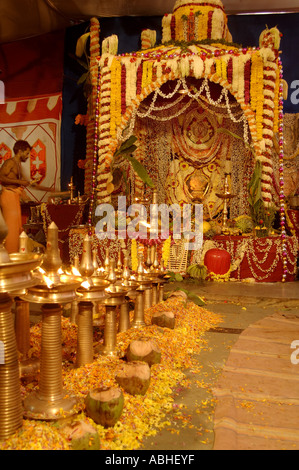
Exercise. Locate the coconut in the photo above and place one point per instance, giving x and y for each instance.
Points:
(144, 351)
(179, 293)
(81, 435)
(134, 377)
(105, 405)
(165, 319)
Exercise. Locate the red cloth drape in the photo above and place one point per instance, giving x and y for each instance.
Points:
(33, 67)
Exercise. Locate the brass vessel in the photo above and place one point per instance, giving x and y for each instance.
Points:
(15, 273)
(51, 402)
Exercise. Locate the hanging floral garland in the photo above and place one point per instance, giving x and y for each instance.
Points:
(281, 179)
(200, 48)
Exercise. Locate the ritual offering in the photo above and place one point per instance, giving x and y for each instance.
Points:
(81, 435)
(144, 351)
(164, 319)
(134, 377)
(105, 405)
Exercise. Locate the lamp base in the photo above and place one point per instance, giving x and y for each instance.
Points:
(36, 407)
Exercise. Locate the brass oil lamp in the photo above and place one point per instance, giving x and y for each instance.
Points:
(144, 284)
(15, 275)
(22, 322)
(160, 279)
(106, 261)
(71, 188)
(74, 305)
(91, 290)
(116, 294)
(51, 401)
(226, 196)
(119, 265)
(128, 282)
(22, 311)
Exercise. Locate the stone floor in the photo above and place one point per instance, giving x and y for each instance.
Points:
(239, 304)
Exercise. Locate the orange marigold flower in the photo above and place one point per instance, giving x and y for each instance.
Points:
(81, 119)
(81, 164)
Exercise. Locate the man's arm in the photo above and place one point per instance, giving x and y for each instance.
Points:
(5, 170)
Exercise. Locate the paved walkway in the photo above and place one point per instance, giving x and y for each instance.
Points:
(242, 305)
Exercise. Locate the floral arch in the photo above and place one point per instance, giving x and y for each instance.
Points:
(121, 83)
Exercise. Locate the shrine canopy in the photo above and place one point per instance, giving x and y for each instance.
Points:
(196, 44)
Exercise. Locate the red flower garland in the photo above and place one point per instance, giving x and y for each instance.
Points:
(210, 17)
(230, 71)
(172, 28)
(247, 75)
(139, 79)
(191, 27)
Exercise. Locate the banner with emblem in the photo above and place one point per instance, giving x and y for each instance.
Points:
(38, 121)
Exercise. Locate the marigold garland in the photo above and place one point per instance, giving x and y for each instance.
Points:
(220, 277)
(248, 73)
(115, 100)
(134, 255)
(166, 250)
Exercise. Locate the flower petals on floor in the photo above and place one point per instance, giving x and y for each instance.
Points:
(143, 415)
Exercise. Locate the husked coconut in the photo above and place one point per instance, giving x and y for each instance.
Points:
(81, 435)
(105, 405)
(178, 293)
(145, 351)
(134, 377)
(165, 319)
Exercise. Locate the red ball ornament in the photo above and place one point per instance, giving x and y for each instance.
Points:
(217, 261)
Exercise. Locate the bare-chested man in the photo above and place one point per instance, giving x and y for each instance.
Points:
(13, 183)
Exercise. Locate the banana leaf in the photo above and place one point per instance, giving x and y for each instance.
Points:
(193, 297)
(125, 150)
(222, 130)
(140, 170)
(81, 44)
(83, 77)
(254, 186)
(127, 146)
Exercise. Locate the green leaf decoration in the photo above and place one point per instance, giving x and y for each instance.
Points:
(81, 44)
(83, 78)
(171, 275)
(196, 299)
(141, 171)
(126, 146)
(222, 130)
(193, 297)
(125, 150)
(83, 63)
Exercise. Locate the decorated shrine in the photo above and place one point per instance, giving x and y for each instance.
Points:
(208, 118)
(196, 121)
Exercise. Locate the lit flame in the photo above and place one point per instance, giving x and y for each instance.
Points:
(101, 269)
(85, 284)
(133, 278)
(75, 271)
(60, 271)
(48, 281)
